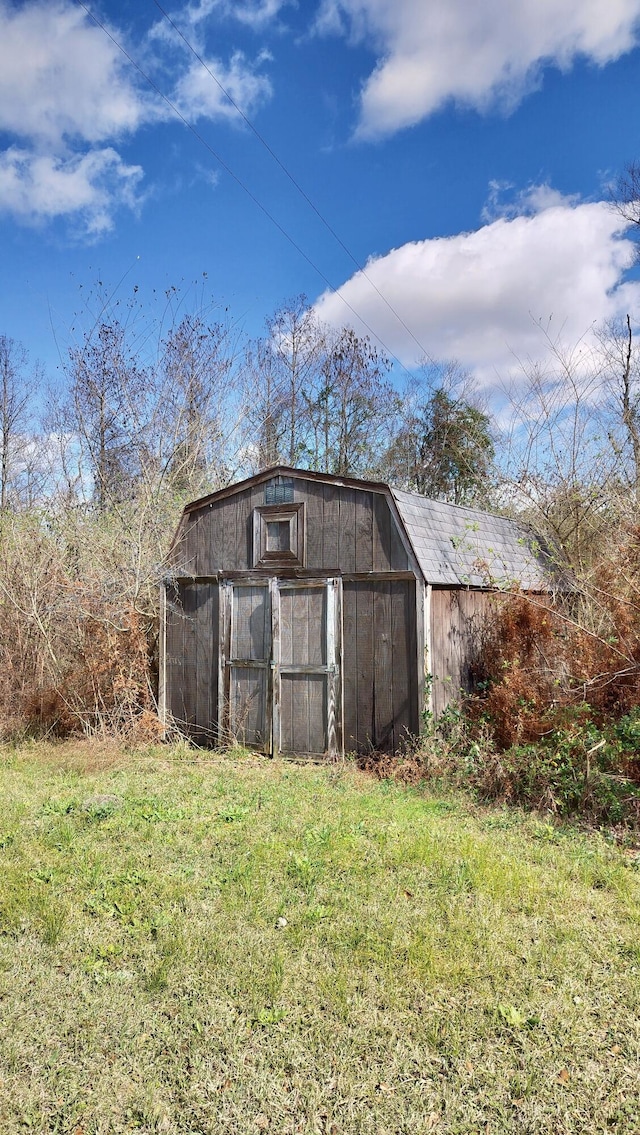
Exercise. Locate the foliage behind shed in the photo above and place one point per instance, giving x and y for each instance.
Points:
(303, 612)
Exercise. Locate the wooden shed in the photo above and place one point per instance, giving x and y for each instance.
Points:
(312, 615)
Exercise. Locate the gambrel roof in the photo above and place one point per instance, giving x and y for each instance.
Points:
(455, 545)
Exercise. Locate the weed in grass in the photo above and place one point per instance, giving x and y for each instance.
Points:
(156, 980)
(270, 1016)
(51, 917)
(302, 871)
(316, 913)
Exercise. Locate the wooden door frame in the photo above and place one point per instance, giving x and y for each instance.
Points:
(332, 586)
(334, 669)
(225, 662)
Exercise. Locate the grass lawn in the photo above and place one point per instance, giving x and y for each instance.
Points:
(236, 945)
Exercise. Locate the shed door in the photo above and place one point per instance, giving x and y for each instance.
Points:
(247, 681)
(306, 688)
(280, 660)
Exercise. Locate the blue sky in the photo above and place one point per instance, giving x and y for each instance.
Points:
(462, 152)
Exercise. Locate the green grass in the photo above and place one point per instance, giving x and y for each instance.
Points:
(236, 945)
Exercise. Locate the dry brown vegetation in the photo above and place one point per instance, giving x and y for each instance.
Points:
(90, 498)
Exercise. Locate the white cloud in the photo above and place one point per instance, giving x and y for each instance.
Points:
(482, 297)
(198, 96)
(523, 202)
(478, 54)
(62, 78)
(65, 88)
(67, 93)
(88, 187)
(257, 13)
(254, 13)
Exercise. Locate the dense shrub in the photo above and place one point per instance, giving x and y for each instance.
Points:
(78, 626)
(557, 695)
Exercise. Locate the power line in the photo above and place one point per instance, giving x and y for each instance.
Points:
(239, 182)
(291, 177)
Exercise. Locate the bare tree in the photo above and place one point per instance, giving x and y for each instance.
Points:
(190, 425)
(350, 407)
(281, 370)
(625, 194)
(108, 412)
(18, 446)
(621, 402)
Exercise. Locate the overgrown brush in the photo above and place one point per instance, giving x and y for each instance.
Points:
(557, 695)
(78, 625)
(554, 720)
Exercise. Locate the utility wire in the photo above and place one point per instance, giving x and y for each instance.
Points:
(239, 182)
(290, 176)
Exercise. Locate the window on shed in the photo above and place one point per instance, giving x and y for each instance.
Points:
(278, 535)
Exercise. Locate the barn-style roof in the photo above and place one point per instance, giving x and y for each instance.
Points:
(457, 545)
(453, 545)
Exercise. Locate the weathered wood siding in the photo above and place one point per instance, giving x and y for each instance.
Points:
(191, 681)
(456, 617)
(380, 664)
(347, 530)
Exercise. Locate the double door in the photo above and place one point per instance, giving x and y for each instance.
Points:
(280, 677)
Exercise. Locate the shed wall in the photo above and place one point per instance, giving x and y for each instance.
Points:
(456, 619)
(347, 530)
(380, 664)
(191, 666)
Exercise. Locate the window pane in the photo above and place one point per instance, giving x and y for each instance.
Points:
(278, 536)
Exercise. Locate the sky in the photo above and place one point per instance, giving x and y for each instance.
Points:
(435, 173)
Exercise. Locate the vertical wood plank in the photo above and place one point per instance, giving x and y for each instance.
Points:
(238, 529)
(318, 628)
(190, 659)
(365, 673)
(249, 638)
(415, 657)
(224, 622)
(428, 646)
(347, 530)
(364, 532)
(274, 684)
(381, 552)
(241, 551)
(331, 522)
(456, 615)
(226, 523)
(314, 509)
(350, 666)
(247, 503)
(405, 655)
(300, 626)
(203, 554)
(333, 617)
(420, 655)
(206, 619)
(383, 668)
(203, 646)
(316, 701)
(286, 625)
